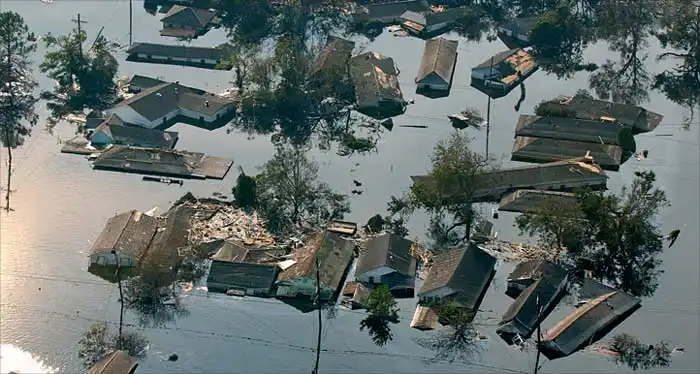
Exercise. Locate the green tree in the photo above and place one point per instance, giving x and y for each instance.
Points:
(17, 99)
(98, 341)
(153, 297)
(382, 311)
(448, 196)
(290, 192)
(245, 192)
(459, 340)
(248, 22)
(83, 79)
(636, 355)
(617, 237)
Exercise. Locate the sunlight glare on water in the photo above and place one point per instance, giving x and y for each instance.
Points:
(13, 359)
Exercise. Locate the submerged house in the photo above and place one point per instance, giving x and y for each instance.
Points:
(342, 227)
(164, 104)
(138, 83)
(543, 150)
(532, 201)
(334, 57)
(588, 324)
(114, 131)
(387, 260)
(377, 90)
(187, 22)
(572, 129)
(498, 75)
(126, 238)
(181, 55)
(334, 255)
(117, 362)
(526, 273)
(586, 107)
(437, 65)
(239, 269)
(389, 12)
(533, 305)
(516, 32)
(461, 275)
(430, 23)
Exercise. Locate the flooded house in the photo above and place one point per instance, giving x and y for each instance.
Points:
(588, 324)
(591, 289)
(586, 107)
(162, 162)
(532, 201)
(544, 150)
(114, 131)
(557, 176)
(377, 90)
(333, 57)
(117, 362)
(526, 273)
(516, 32)
(138, 83)
(242, 277)
(461, 275)
(389, 12)
(437, 65)
(387, 260)
(188, 22)
(533, 305)
(498, 75)
(424, 318)
(164, 104)
(332, 253)
(430, 23)
(571, 129)
(181, 55)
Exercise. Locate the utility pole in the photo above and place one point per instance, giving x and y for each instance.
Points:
(131, 21)
(539, 334)
(80, 33)
(488, 113)
(121, 299)
(320, 315)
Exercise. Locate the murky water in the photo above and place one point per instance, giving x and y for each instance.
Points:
(48, 299)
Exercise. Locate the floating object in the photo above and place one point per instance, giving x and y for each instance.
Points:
(173, 357)
(415, 126)
(357, 183)
(463, 120)
(163, 180)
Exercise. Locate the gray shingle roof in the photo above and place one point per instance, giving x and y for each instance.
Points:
(147, 160)
(439, 57)
(130, 233)
(224, 275)
(188, 16)
(531, 149)
(531, 201)
(179, 51)
(144, 81)
(140, 136)
(376, 80)
(588, 324)
(573, 129)
(117, 362)
(429, 18)
(387, 250)
(466, 271)
(497, 59)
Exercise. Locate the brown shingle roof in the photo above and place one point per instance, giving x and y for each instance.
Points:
(117, 362)
(130, 233)
(440, 58)
(531, 201)
(590, 131)
(376, 80)
(529, 149)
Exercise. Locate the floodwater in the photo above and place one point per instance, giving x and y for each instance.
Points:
(48, 299)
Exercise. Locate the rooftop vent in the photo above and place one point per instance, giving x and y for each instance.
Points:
(206, 103)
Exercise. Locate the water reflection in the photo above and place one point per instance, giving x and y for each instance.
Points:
(15, 360)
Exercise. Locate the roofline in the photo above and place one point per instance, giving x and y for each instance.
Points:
(574, 316)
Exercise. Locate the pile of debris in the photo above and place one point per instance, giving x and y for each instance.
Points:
(214, 220)
(517, 252)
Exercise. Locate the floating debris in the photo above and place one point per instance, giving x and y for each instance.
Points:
(516, 252)
(173, 357)
(221, 221)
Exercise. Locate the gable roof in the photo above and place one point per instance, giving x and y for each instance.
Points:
(179, 51)
(129, 233)
(117, 362)
(532, 269)
(531, 149)
(163, 161)
(388, 250)
(439, 57)
(468, 272)
(531, 201)
(137, 135)
(385, 12)
(376, 79)
(429, 18)
(188, 16)
(588, 324)
(143, 81)
(334, 55)
(224, 275)
(574, 129)
(334, 254)
(496, 59)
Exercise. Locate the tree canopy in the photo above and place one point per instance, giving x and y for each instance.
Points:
(382, 312)
(636, 355)
(99, 340)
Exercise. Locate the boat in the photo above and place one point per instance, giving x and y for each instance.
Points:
(163, 180)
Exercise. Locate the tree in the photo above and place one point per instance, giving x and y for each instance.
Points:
(633, 353)
(617, 236)
(98, 341)
(17, 100)
(153, 297)
(290, 192)
(448, 197)
(382, 311)
(84, 80)
(245, 192)
(459, 340)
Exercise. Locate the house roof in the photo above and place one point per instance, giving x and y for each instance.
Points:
(591, 289)
(590, 131)
(188, 16)
(521, 318)
(180, 51)
(162, 161)
(144, 81)
(376, 79)
(169, 239)
(117, 362)
(527, 148)
(387, 250)
(531, 201)
(334, 254)
(496, 59)
(334, 55)
(440, 58)
(232, 252)
(588, 323)
(532, 269)
(224, 275)
(428, 18)
(390, 11)
(129, 233)
(465, 271)
(126, 134)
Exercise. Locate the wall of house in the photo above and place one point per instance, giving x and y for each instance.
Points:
(436, 294)
(301, 286)
(168, 25)
(177, 59)
(197, 116)
(375, 274)
(433, 82)
(129, 115)
(99, 138)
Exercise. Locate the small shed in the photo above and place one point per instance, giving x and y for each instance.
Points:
(437, 65)
(424, 318)
(117, 362)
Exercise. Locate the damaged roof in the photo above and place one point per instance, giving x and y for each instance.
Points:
(588, 324)
(188, 16)
(574, 129)
(225, 275)
(468, 272)
(129, 233)
(376, 80)
(389, 12)
(126, 134)
(439, 58)
(529, 149)
(388, 250)
(429, 18)
(334, 55)
(149, 160)
(180, 51)
(532, 201)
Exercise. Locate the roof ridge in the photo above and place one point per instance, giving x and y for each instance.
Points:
(112, 357)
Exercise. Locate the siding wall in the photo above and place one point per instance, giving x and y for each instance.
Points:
(438, 293)
(107, 259)
(375, 273)
(180, 59)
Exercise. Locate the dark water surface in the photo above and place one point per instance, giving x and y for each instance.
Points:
(48, 299)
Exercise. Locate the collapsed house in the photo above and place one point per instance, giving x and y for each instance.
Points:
(526, 273)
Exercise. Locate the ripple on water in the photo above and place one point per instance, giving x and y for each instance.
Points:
(13, 359)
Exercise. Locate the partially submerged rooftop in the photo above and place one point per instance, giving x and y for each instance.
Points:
(544, 150)
(439, 59)
(387, 250)
(117, 362)
(533, 201)
(334, 55)
(573, 129)
(126, 134)
(377, 90)
(390, 12)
